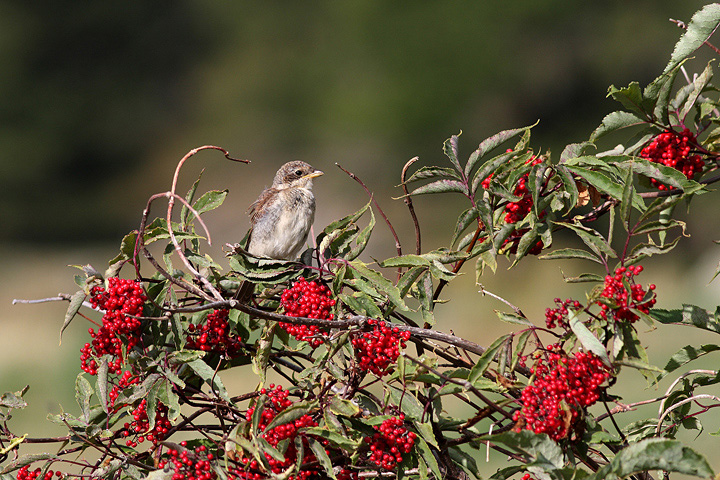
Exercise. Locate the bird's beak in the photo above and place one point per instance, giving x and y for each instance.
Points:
(314, 174)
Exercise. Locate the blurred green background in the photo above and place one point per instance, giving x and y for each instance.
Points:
(99, 101)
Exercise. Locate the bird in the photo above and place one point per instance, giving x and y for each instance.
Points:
(281, 217)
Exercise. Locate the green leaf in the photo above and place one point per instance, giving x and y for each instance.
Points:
(465, 460)
(321, 456)
(605, 184)
(689, 315)
(698, 85)
(486, 358)
(341, 406)
(76, 302)
(566, 253)
(630, 97)
(341, 441)
(513, 318)
(587, 339)
(427, 455)
(584, 278)
(450, 149)
(592, 239)
(431, 172)
(664, 174)
(14, 399)
(687, 354)
(616, 121)
(701, 27)
(207, 374)
(655, 454)
(291, 414)
(381, 283)
(210, 201)
(83, 392)
(463, 222)
(408, 403)
(489, 167)
(490, 144)
(361, 239)
(441, 186)
(531, 444)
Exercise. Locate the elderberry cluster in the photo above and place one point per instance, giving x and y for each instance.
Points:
(25, 474)
(390, 442)
(377, 350)
(140, 426)
(307, 299)
(214, 335)
(122, 302)
(559, 316)
(622, 295)
(278, 401)
(124, 381)
(516, 211)
(191, 465)
(673, 149)
(564, 386)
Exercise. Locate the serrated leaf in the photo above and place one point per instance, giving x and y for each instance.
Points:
(334, 438)
(655, 454)
(531, 444)
(486, 358)
(664, 174)
(605, 184)
(426, 454)
(341, 406)
(616, 121)
(291, 414)
(76, 302)
(381, 283)
(206, 373)
(513, 318)
(408, 403)
(698, 85)
(463, 222)
(83, 392)
(450, 149)
(490, 144)
(686, 355)
(441, 186)
(589, 341)
(625, 203)
(431, 172)
(567, 253)
(321, 456)
(592, 239)
(489, 167)
(630, 97)
(584, 278)
(210, 201)
(700, 28)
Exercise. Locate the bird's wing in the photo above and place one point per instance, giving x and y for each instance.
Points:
(258, 205)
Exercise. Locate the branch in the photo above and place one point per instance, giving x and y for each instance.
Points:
(408, 201)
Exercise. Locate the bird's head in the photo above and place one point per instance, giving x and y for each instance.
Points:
(295, 174)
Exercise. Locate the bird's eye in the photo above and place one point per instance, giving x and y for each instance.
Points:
(298, 173)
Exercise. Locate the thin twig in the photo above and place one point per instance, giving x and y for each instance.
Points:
(372, 197)
(683, 402)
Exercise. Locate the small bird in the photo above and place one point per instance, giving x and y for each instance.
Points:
(281, 217)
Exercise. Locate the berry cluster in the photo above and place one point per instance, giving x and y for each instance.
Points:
(140, 425)
(189, 465)
(622, 295)
(124, 381)
(672, 149)
(563, 387)
(516, 211)
(122, 302)
(377, 350)
(559, 316)
(277, 402)
(307, 299)
(389, 443)
(214, 335)
(25, 474)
